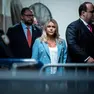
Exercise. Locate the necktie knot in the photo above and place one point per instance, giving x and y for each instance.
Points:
(90, 28)
(28, 27)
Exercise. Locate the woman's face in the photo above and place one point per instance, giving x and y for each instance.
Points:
(51, 29)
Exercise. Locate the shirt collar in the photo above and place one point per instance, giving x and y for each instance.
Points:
(24, 26)
(84, 22)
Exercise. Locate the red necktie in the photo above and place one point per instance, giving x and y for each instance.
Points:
(29, 37)
(90, 28)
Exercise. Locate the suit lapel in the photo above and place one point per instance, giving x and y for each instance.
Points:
(22, 36)
(86, 30)
(45, 45)
(84, 27)
(59, 47)
(34, 33)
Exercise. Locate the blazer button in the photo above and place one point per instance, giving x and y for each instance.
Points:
(41, 50)
(44, 56)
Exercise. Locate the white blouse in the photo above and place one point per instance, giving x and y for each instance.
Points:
(53, 56)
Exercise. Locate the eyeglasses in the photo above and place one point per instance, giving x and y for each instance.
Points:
(28, 15)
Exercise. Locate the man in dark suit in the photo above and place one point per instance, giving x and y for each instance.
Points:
(18, 35)
(80, 37)
(5, 51)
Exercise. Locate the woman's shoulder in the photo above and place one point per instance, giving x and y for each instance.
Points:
(38, 39)
(61, 40)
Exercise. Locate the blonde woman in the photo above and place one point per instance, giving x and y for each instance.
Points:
(49, 48)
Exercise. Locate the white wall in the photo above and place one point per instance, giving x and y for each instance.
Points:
(64, 11)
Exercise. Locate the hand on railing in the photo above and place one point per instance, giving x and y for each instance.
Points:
(90, 60)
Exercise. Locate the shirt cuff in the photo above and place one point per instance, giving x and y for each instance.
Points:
(86, 59)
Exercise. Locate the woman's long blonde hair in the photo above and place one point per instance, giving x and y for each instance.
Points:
(44, 35)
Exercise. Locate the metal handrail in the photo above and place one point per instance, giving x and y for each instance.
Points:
(25, 62)
(16, 62)
(75, 65)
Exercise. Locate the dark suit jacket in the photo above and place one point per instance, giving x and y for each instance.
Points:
(4, 49)
(80, 42)
(18, 41)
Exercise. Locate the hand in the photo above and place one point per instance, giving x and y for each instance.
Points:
(5, 39)
(90, 60)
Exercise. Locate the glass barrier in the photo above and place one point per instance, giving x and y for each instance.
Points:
(24, 82)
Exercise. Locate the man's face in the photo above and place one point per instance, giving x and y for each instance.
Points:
(28, 17)
(89, 13)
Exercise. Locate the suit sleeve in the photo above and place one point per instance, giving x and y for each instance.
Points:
(9, 33)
